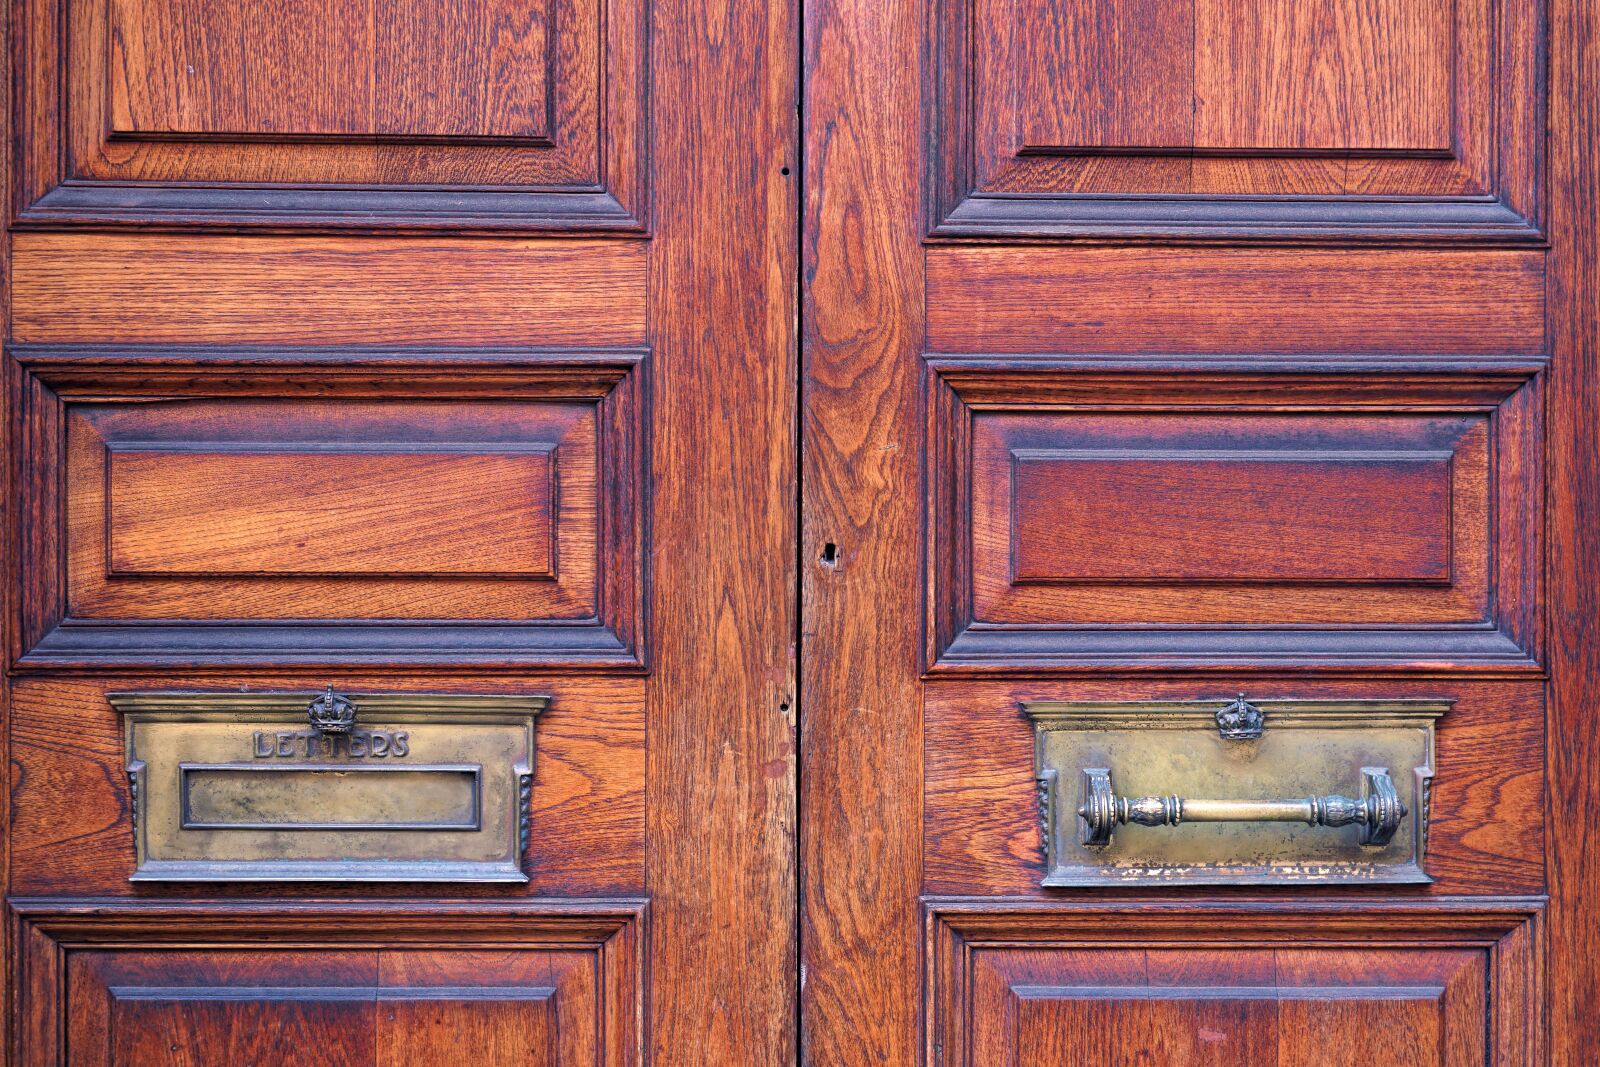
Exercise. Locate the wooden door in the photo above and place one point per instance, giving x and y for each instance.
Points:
(1158, 353)
(410, 349)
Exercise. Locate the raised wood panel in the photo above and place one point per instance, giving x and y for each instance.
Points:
(412, 984)
(1080, 300)
(71, 832)
(217, 516)
(326, 291)
(1158, 514)
(428, 507)
(1348, 75)
(1183, 1007)
(1285, 520)
(1188, 513)
(482, 115)
(1391, 120)
(1324, 984)
(467, 510)
(981, 833)
(330, 67)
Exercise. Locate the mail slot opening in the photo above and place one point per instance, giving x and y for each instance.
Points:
(321, 797)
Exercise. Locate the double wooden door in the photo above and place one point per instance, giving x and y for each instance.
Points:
(713, 460)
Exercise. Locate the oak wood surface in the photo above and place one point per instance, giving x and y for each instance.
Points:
(1239, 300)
(861, 802)
(722, 760)
(287, 291)
(1573, 597)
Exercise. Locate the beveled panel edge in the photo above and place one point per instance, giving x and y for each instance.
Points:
(80, 204)
(958, 383)
(1510, 929)
(615, 378)
(1280, 220)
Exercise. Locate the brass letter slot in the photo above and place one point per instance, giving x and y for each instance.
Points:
(1181, 792)
(309, 787)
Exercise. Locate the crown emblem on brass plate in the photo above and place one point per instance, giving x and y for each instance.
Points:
(331, 713)
(1240, 721)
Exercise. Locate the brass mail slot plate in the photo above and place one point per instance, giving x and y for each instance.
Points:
(247, 787)
(1234, 793)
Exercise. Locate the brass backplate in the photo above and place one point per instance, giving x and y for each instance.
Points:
(240, 787)
(1175, 749)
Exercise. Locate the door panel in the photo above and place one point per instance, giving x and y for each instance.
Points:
(1223, 331)
(522, 984)
(397, 356)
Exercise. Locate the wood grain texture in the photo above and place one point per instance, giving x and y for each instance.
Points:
(331, 512)
(483, 115)
(1293, 983)
(988, 611)
(723, 314)
(980, 828)
(1261, 515)
(281, 69)
(861, 806)
(282, 291)
(585, 407)
(475, 69)
(208, 520)
(1573, 593)
(71, 833)
(392, 983)
(1351, 74)
(1100, 75)
(1385, 120)
(1235, 301)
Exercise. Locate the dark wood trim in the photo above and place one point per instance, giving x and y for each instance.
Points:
(1285, 219)
(81, 204)
(1509, 929)
(48, 377)
(1505, 643)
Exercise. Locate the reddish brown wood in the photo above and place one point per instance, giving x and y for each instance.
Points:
(71, 834)
(861, 804)
(1358, 75)
(1269, 982)
(1271, 301)
(724, 450)
(398, 561)
(331, 511)
(1573, 593)
(1033, 567)
(1047, 113)
(981, 835)
(282, 291)
(481, 115)
(198, 982)
(1189, 513)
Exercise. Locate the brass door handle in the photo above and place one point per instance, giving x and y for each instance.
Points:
(1377, 811)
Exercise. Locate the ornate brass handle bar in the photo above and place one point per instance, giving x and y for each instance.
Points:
(1377, 811)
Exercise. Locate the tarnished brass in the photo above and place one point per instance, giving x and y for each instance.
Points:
(1378, 812)
(1222, 793)
(330, 787)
